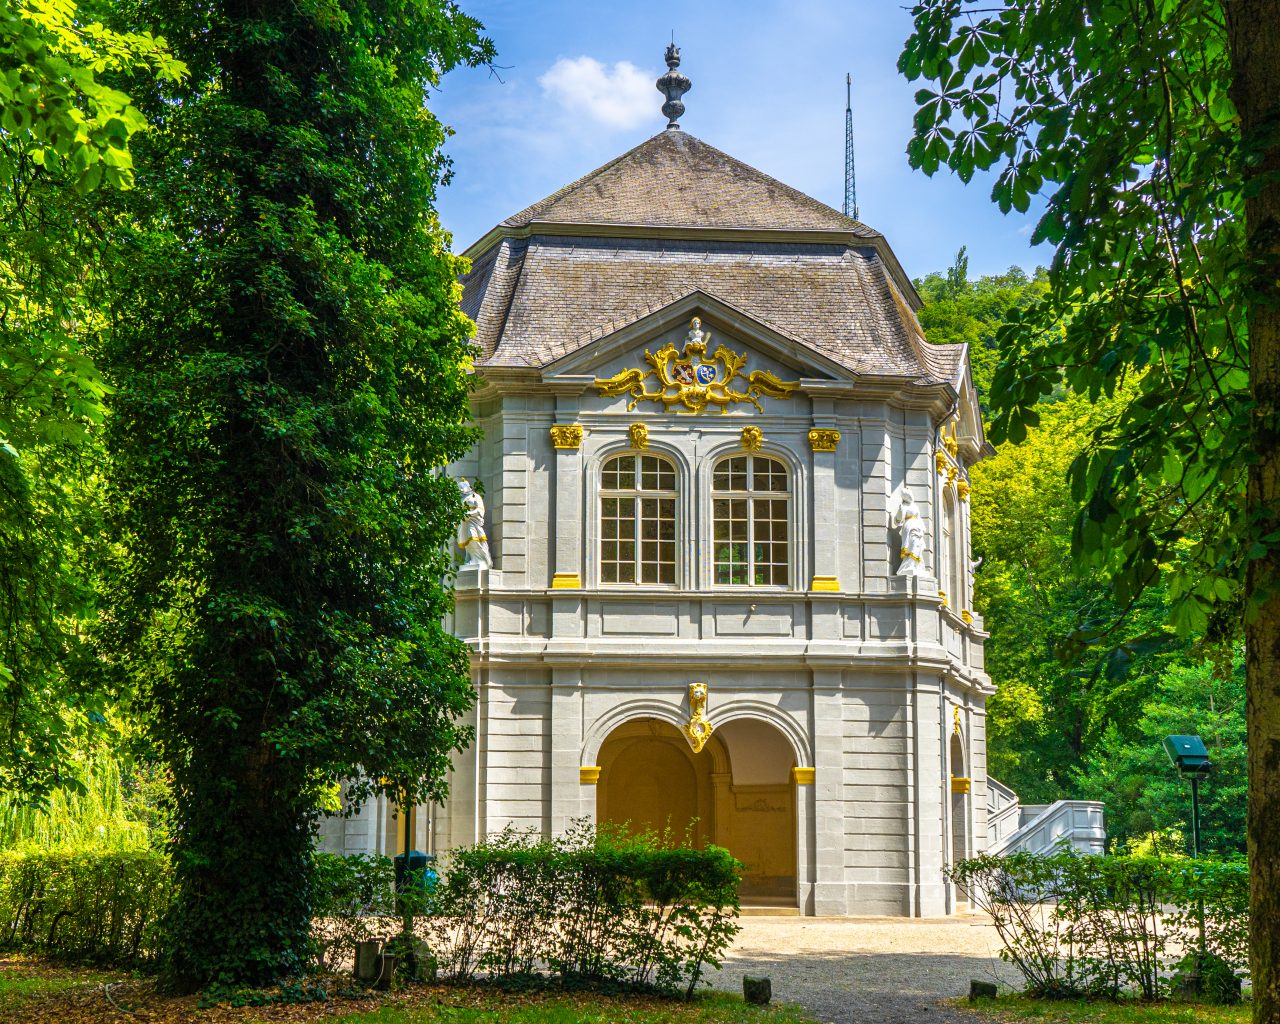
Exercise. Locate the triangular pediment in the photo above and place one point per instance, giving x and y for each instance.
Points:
(761, 346)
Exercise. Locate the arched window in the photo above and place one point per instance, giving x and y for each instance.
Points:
(638, 520)
(751, 521)
(953, 572)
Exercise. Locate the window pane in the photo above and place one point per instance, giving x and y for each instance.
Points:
(769, 475)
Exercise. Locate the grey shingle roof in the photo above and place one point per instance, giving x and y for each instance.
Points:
(676, 180)
(539, 295)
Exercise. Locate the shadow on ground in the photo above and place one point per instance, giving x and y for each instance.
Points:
(867, 988)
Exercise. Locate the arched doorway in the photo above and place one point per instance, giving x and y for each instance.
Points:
(737, 792)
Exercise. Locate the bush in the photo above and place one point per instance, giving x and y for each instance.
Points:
(97, 907)
(1090, 926)
(354, 898)
(591, 906)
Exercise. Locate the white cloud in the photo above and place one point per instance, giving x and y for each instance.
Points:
(623, 97)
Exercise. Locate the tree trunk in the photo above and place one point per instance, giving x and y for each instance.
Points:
(1254, 31)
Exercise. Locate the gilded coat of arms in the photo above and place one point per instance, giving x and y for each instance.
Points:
(688, 380)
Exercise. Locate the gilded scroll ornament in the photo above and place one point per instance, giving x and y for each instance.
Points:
(955, 719)
(688, 380)
(698, 730)
(567, 436)
(962, 489)
(639, 435)
(952, 473)
(967, 617)
(952, 443)
(824, 440)
(940, 460)
(752, 439)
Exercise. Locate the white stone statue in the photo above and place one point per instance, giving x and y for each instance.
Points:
(908, 522)
(471, 536)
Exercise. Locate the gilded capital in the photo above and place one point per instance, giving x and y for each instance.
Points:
(824, 440)
(567, 435)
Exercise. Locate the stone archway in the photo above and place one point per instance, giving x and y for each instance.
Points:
(738, 792)
(650, 779)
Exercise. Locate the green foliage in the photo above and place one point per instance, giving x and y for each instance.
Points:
(85, 906)
(288, 354)
(1144, 794)
(1056, 701)
(63, 132)
(1104, 926)
(1122, 110)
(958, 310)
(109, 811)
(355, 901)
(594, 906)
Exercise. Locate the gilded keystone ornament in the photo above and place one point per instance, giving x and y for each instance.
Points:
(639, 435)
(688, 380)
(752, 439)
(697, 730)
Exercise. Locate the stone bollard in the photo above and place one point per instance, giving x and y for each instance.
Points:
(756, 991)
(981, 990)
(366, 963)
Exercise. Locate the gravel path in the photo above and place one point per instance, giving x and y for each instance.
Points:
(867, 970)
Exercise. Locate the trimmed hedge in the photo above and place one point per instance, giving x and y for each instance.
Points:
(593, 906)
(95, 907)
(1100, 926)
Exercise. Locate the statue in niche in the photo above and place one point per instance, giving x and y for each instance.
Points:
(471, 536)
(909, 524)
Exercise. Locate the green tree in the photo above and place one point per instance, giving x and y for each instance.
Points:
(1054, 703)
(288, 353)
(63, 132)
(957, 310)
(1153, 123)
(1146, 799)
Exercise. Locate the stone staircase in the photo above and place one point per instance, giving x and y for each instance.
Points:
(1042, 828)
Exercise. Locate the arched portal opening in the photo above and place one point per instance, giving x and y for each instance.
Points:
(737, 792)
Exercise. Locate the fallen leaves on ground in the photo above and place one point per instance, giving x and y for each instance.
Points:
(35, 992)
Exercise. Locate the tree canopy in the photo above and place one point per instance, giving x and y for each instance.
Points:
(288, 357)
(1151, 124)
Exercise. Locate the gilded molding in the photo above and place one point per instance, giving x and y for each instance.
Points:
(826, 583)
(639, 435)
(566, 435)
(589, 775)
(697, 730)
(688, 380)
(824, 440)
(803, 776)
(566, 581)
(752, 439)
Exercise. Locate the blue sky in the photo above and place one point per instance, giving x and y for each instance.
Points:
(577, 89)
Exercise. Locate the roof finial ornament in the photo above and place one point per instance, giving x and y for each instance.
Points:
(673, 85)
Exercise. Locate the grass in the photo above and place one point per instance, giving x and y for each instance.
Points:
(483, 1005)
(22, 981)
(1086, 1011)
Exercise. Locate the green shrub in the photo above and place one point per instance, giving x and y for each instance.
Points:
(354, 901)
(86, 906)
(593, 906)
(1099, 926)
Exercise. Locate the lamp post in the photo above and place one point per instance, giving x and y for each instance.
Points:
(1190, 757)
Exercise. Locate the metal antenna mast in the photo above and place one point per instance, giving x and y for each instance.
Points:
(850, 185)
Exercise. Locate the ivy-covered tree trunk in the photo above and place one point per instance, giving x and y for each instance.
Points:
(1254, 27)
(289, 357)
